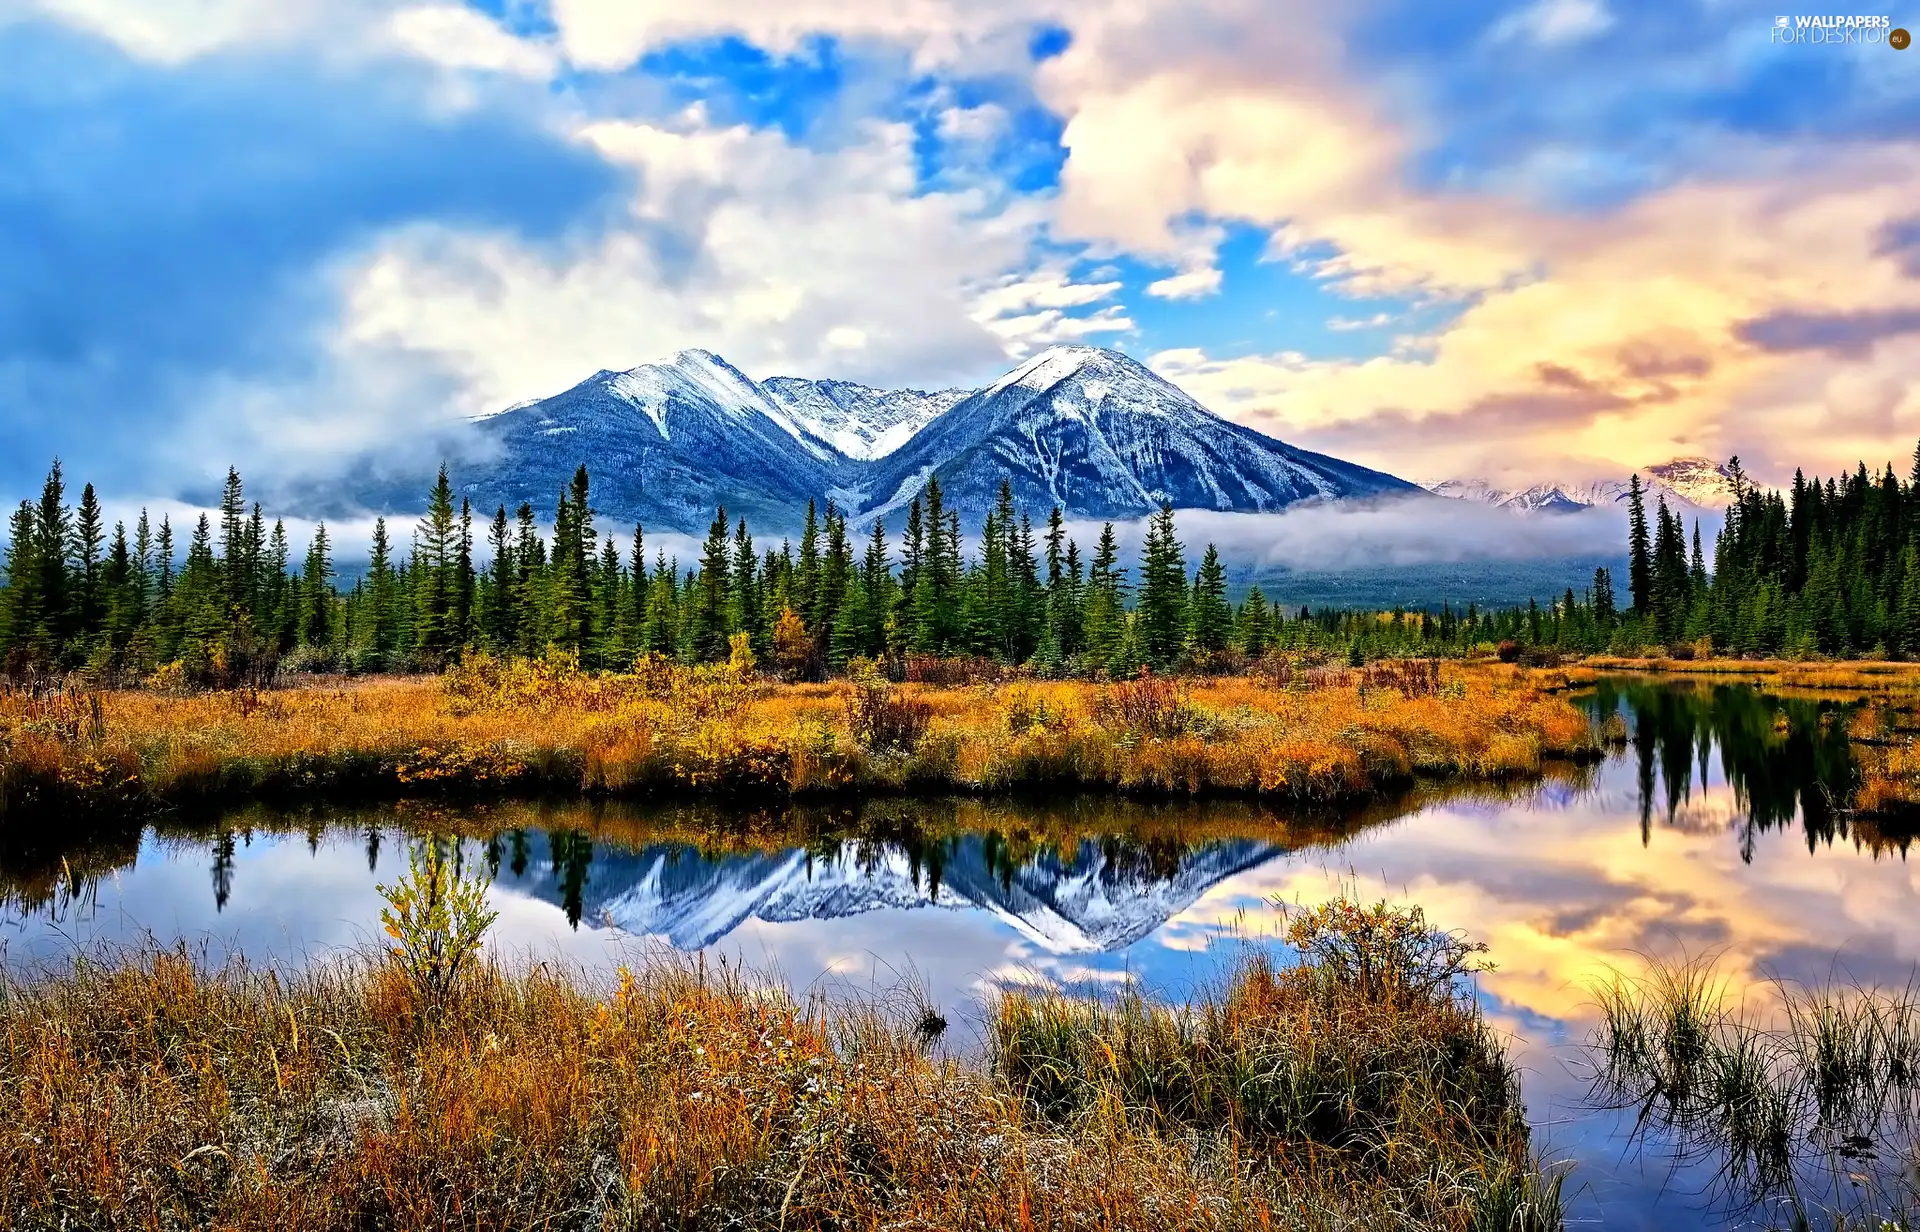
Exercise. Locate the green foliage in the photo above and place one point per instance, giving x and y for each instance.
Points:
(437, 917)
(1831, 568)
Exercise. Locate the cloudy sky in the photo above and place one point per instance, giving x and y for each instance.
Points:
(1506, 239)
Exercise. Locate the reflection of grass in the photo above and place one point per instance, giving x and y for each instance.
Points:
(1151, 835)
(1811, 1102)
(492, 730)
(146, 1092)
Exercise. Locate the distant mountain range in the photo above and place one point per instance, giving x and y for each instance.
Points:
(1086, 900)
(1686, 483)
(1091, 430)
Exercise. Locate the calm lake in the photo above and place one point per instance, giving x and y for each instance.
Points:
(1710, 831)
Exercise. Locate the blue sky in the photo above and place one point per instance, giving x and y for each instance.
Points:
(295, 236)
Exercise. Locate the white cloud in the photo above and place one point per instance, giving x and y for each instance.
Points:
(612, 34)
(1349, 324)
(173, 31)
(1188, 284)
(781, 258)
(1553, 22)
(455, 36)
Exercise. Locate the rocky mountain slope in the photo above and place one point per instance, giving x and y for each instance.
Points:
(1089, 429)
(1695, 484)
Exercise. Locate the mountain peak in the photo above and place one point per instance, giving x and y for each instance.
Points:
(1083, 427)
(1060, 363)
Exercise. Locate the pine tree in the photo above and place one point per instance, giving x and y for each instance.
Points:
(89, 536)
(464, 582)
(382, 635)
(1909, 614)
(436, 546)
(743, 593)
(806, 576)
(1163, 593)
(1105, 620)
(707, 623)
(53, 533)
(836, 573)
(661, 632)
(529, 582)
(234, 565)
(20, 602)
(1603, 611)
(502, 614)
(316, 621)
(913, 544)
(1256, 625)
(877, 598)
(1209, 617)
(1639, 551)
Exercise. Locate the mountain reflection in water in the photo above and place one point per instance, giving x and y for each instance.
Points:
(1719, 825)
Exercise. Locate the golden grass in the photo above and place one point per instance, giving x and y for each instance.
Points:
(496, 729)
(148, 1092)
(1843, 675)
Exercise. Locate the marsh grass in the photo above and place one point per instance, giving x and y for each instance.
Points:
(151, 1090)
(1396, 1110)
(1809, 1098)
(525, 728)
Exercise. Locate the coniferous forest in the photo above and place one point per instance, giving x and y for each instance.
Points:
(1831, 567)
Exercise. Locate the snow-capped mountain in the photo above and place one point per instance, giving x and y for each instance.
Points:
(1089, 429)
(1101, 435)
(1086, 902)
(664, 443)
(1686, 483)
(858, 420)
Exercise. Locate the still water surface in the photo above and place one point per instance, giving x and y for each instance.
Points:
(1711, 831)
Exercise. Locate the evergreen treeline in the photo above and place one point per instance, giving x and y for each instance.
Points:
(1832, 567)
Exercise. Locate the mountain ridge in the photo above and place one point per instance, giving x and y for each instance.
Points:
(1092, 430)
(1691, 483)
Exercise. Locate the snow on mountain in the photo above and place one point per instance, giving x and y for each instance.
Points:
(861, 422)
(1088, 900)
(1088, 429)
(1701, 482)
(1101, 435)
(1686, 483)
(665, 443)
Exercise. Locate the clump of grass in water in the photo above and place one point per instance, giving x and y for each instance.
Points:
(1811, 1103)
(1366, 1075)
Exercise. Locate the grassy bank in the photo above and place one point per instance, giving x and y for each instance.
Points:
(148, 1092)
(492, 728)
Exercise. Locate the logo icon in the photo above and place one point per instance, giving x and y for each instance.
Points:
(1781, 23)
(1899, 38)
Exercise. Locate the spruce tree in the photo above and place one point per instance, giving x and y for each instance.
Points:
(1163, 593)
(53, 534)
(743, 593)
(1105, 619)
(1209, 617)
(316, 620)
(1639, 551)
(436, 547)
(707, 623)
(1256, 625)
(89, 537)
(20, 602)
